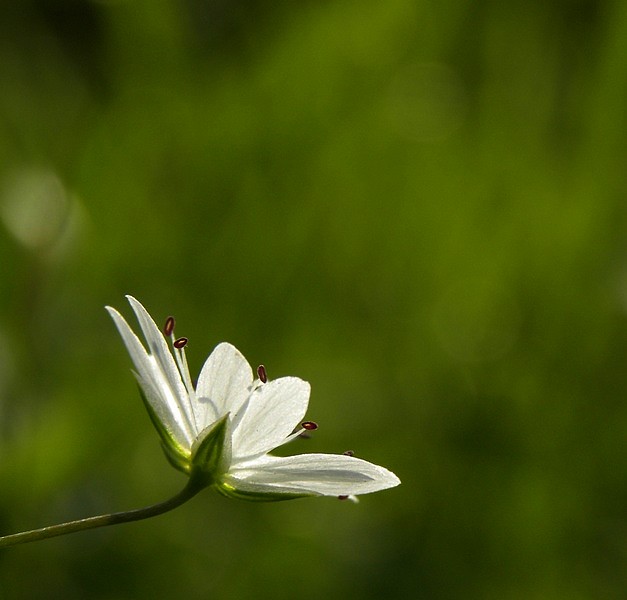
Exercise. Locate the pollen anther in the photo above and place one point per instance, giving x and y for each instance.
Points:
(168, 328)
(180, 343)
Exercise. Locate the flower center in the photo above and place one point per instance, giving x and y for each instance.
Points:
(178, 345)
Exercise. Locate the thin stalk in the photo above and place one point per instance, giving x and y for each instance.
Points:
(188, 492)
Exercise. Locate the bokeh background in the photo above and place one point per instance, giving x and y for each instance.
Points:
(417, 206)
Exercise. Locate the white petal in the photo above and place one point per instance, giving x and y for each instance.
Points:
(167, 413)
(223, 385)
(269, 416)
(138, 353)
(158, 347)
(321, 474)
(154, 383)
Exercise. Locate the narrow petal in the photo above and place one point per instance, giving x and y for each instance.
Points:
(175, 440)
(141, 359)
(161, 352)
(223, 385)
(317, 474)
(154, 383)
(273, 410)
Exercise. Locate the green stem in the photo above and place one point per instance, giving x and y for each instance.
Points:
(189, 491)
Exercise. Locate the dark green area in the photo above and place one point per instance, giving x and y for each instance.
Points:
(419, 207)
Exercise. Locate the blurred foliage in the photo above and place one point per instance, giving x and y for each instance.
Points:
(417, 206)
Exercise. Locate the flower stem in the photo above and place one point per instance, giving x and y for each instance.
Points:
(188, 492)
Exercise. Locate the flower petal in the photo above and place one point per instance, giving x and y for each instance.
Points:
(316, 474)
(154, 384)
(141, 359)
(159, 349)
(223, 385)
(270, 414)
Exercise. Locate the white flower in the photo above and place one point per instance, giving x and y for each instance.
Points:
(222, 430)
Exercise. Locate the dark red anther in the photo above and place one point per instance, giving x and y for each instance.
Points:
(342, 497)
(180, 343)
(309, 425)
(348, 453)
(261, 373)
(168, 328)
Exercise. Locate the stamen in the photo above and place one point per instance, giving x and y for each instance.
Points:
(348, 453)
(180, 343)
(350, 497)
(168, 328)
(262, 374)
(181, 361)
(306, 427)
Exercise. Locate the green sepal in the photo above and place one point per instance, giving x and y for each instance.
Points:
(175, 454)
(178, 461)
(211, 452)
(230, 491)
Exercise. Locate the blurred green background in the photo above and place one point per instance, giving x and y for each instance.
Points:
(417, 206)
